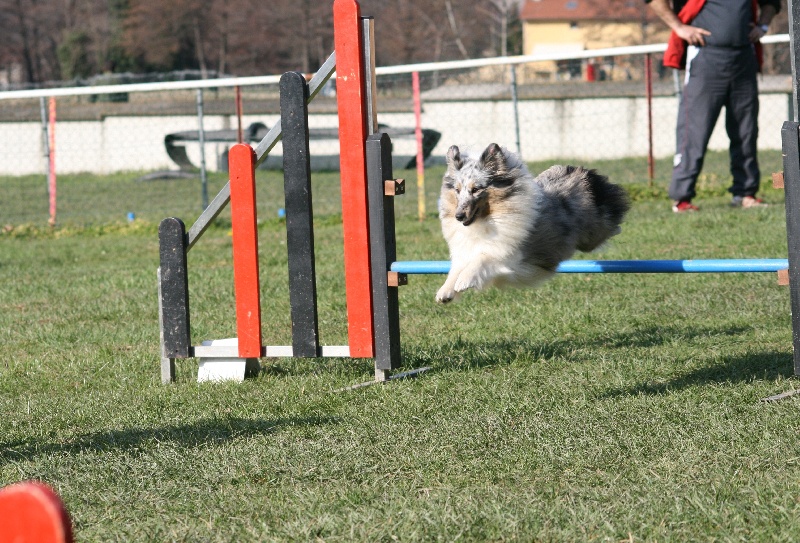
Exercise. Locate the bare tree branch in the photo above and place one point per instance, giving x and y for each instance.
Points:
(454, 28)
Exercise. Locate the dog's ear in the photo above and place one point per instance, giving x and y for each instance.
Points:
(493, 159)
(454, 160)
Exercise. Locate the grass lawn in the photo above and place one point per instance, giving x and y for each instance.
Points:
(596, 408)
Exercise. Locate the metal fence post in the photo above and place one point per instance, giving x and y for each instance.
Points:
(648, 81)
(202, 141)
(515, 103)
(418, 134)
(45, 141)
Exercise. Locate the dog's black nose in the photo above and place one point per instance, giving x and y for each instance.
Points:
(460, 216)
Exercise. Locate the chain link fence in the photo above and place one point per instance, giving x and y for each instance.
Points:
(118, 156)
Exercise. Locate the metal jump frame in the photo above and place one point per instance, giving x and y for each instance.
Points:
(367, 191)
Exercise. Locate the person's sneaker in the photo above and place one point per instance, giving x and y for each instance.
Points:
(684, 206)
(746, 202)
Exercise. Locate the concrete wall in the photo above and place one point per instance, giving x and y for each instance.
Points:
(596, 128)
(579, 128)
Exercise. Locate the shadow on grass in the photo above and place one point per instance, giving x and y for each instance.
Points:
(654, 336)
(767, 366)
(461, 355)
(292, 367)
(136, 440)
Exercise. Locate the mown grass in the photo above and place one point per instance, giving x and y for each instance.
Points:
(597, 408)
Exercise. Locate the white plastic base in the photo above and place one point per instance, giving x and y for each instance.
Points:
(226, 369)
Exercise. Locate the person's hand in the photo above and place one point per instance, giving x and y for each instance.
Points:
(693, 35)
(756, 32)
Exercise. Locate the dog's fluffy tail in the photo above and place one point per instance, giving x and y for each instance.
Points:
(599, 205)
(611, 202)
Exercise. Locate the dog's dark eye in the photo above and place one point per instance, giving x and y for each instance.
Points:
(475, 190)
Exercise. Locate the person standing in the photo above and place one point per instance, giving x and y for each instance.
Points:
(717, 43)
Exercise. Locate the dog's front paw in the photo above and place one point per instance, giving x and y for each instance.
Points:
(465, 283)
(445, 294)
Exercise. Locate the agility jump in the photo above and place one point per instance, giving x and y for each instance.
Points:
(372, 274)
(367, 217)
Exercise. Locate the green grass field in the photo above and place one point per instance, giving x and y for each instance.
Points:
(596, 408)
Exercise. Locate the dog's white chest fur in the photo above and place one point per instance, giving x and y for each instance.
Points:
(489, 251)
(494, 241)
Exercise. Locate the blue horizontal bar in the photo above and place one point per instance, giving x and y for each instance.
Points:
(624, 266)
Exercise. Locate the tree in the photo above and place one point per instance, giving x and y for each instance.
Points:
(52, 39)
(428, 30)
(73, 55)
(25, 26)
(166, 35)
(501, 14)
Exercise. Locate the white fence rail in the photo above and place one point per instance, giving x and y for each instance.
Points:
(135, 128)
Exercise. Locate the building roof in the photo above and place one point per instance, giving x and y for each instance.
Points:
(583, 10)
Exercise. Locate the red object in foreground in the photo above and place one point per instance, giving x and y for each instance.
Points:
(242, 161)
(31, 512)
(353, 164)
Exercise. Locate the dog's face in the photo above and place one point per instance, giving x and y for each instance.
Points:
(470, 186)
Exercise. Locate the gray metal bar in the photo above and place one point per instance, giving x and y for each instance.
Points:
(515, 103)
(209, 214)
(269, 141)
(202, 141)
(410, 374)
(321, 77)
(368, 31)
(266, 144)
(46, 138)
